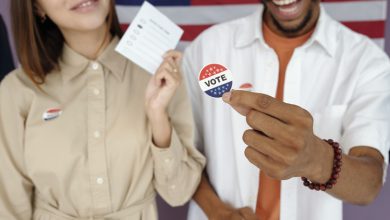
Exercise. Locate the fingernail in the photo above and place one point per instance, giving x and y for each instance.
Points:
(226, 97)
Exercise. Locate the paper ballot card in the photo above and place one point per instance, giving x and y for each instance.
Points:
(149, 36)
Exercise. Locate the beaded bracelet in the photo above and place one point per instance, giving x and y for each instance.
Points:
(335, 171)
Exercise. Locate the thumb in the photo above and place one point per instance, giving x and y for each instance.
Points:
(240, 109)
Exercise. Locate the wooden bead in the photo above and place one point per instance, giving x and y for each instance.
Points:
(337, 163)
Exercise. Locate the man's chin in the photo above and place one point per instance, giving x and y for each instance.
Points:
(292, 27)
(289, 27)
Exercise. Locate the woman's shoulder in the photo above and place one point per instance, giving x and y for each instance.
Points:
(16, 80)
(17, 89)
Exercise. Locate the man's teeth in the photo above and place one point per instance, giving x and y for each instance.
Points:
(283, 2)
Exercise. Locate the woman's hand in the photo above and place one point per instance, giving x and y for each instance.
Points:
(159, 92)
(163, 84)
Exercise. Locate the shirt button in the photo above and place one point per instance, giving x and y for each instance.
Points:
(96, 134)
(168, 160)
(96, 91)
(173, 187)
(99, 180)
(95, 65)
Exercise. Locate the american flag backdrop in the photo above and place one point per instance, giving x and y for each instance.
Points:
(364, 16)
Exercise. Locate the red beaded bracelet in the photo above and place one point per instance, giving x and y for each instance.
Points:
(335, 172)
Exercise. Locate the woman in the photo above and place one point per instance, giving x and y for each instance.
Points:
(85, 133)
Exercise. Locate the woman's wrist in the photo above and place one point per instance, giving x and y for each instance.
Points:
(161, 128)
(157, 116)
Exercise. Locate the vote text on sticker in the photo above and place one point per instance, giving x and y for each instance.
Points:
(215, 80)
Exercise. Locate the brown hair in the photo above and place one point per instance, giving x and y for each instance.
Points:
(39, 43)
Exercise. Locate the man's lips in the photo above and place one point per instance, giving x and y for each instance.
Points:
(283, 2)
(286, 9)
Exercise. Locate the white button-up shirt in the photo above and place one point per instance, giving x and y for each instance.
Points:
(341, 77)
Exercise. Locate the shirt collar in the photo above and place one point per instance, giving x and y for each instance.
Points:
(325, 34)
(73, 64)
(250, 30)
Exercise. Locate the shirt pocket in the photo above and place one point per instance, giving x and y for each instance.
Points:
(328, 123)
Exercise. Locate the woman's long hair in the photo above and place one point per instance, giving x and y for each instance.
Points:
(39, 43)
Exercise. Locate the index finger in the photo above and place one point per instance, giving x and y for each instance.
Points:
(176, 55)
(262, 103)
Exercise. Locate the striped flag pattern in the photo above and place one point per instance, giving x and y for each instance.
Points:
(364, 16)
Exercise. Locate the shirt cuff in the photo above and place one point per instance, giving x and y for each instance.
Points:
(370, 139)
(167, 160)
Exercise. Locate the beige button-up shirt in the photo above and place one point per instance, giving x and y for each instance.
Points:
(81, 148)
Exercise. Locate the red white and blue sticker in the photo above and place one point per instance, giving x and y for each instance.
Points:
(215, 80)
(246, 87)
(51, 114)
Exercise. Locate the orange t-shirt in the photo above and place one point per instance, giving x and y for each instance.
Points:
(268, 199)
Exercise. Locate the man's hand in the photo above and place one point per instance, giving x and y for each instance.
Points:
(229, 213)
(215, 208)
(283, 145)
(282, 142)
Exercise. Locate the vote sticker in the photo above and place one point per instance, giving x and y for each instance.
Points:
(215, 80)
(51, 114)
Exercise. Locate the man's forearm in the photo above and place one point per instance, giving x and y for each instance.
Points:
(206, 198)
(360, 179)
(215, 208)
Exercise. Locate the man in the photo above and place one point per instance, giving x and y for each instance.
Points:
(328, 83)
